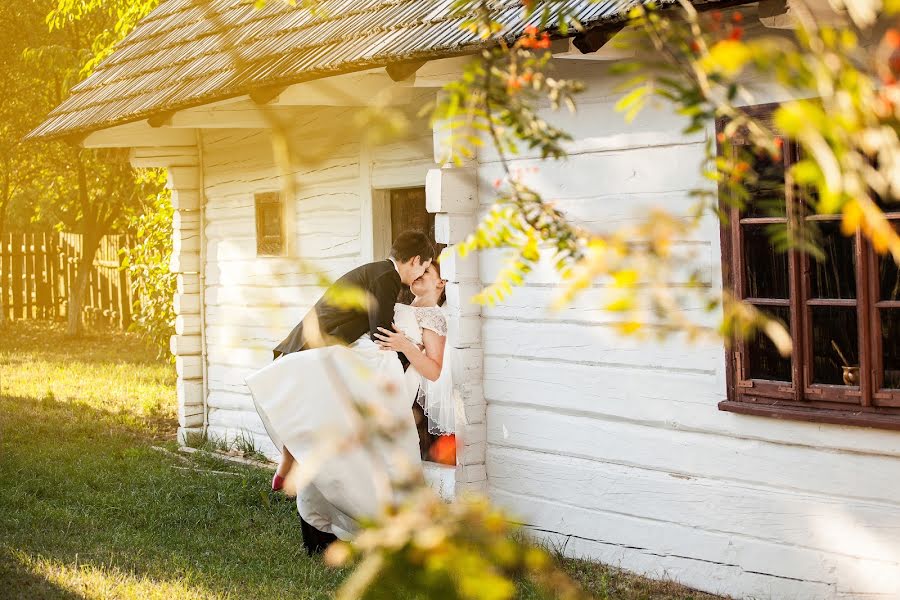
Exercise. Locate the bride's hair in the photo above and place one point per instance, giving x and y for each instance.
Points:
(437, 267)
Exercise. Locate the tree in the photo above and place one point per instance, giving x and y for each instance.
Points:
(19, 111)
(57, 184)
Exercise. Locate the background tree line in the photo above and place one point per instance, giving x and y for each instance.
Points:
(58, 185)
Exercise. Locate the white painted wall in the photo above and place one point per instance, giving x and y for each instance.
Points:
(615, 450)
(253, 302)
(611, 448)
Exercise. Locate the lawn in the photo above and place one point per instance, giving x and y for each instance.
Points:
(88, 509)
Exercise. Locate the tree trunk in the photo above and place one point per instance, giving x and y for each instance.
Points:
(90, 241)
(78, 293)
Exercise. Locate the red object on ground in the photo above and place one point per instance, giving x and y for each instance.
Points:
(443, 450)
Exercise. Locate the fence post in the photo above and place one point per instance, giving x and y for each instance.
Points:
(38, 271)
(5, 279)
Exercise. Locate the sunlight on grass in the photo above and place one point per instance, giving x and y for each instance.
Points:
(113, 372)
(88, 581)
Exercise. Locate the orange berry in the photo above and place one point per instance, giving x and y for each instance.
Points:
(892, 38)
(443, 450)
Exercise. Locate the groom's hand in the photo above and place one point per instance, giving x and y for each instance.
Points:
(393, 340)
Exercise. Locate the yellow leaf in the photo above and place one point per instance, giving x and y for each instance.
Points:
(625, 278)
(779, 336)
(853, 216)
(621, 304)
(728, 57)
(629, 327)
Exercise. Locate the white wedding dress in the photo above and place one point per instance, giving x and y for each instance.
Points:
(306, 402)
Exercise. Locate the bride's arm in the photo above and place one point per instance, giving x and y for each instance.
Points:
(428, 363)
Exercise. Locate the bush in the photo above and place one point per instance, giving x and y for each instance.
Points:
(147, 262)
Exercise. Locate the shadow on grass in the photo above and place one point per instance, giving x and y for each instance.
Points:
(83, 491)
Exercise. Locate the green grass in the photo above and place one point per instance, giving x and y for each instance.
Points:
(89, 510)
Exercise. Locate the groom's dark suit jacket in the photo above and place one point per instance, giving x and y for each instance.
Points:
(382, 282)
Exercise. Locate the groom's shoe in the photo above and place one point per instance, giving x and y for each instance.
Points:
(277, 482)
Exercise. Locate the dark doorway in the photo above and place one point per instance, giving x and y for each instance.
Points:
(408, 212)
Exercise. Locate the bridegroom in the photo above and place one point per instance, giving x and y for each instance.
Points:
(327, 324)
(411, 255)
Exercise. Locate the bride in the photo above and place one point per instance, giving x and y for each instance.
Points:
(320, 406)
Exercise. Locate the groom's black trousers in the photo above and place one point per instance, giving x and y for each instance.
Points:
(315, 541)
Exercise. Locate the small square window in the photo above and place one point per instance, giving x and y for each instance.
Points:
(269, 224)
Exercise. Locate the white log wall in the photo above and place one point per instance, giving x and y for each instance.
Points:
(253, 302)
(614, 449)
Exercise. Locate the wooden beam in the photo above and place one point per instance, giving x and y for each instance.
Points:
(403, 70)
(161, 119)
(267, 94)
(593, 40)
(163, 156)
(236, 115)
(779, 14)
(366, 89)
(440, 72)
(136, 134)
(592, 45)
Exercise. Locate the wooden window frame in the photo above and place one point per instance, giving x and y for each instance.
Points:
(269, 245)
(868, 404)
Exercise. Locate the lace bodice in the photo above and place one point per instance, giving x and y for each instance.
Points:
(411, 320)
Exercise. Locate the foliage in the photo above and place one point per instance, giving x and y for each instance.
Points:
(123, 14)
(147, 262)
(55, 184)
(697, 65)
(847, 131)
(431, 549)
(19, 111)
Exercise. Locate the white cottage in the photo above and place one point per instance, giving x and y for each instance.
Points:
(731, 472)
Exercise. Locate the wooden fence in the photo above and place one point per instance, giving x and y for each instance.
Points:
(37, 276)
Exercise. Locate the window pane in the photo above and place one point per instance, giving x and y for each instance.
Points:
(271, 219)
(889, 278)
(890, 347)
(766, 194)
(766, 268)
(763, 359)
(835, 275)
(887, 205)
(833, 326)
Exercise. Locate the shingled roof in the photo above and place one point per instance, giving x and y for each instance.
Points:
(177, 58)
